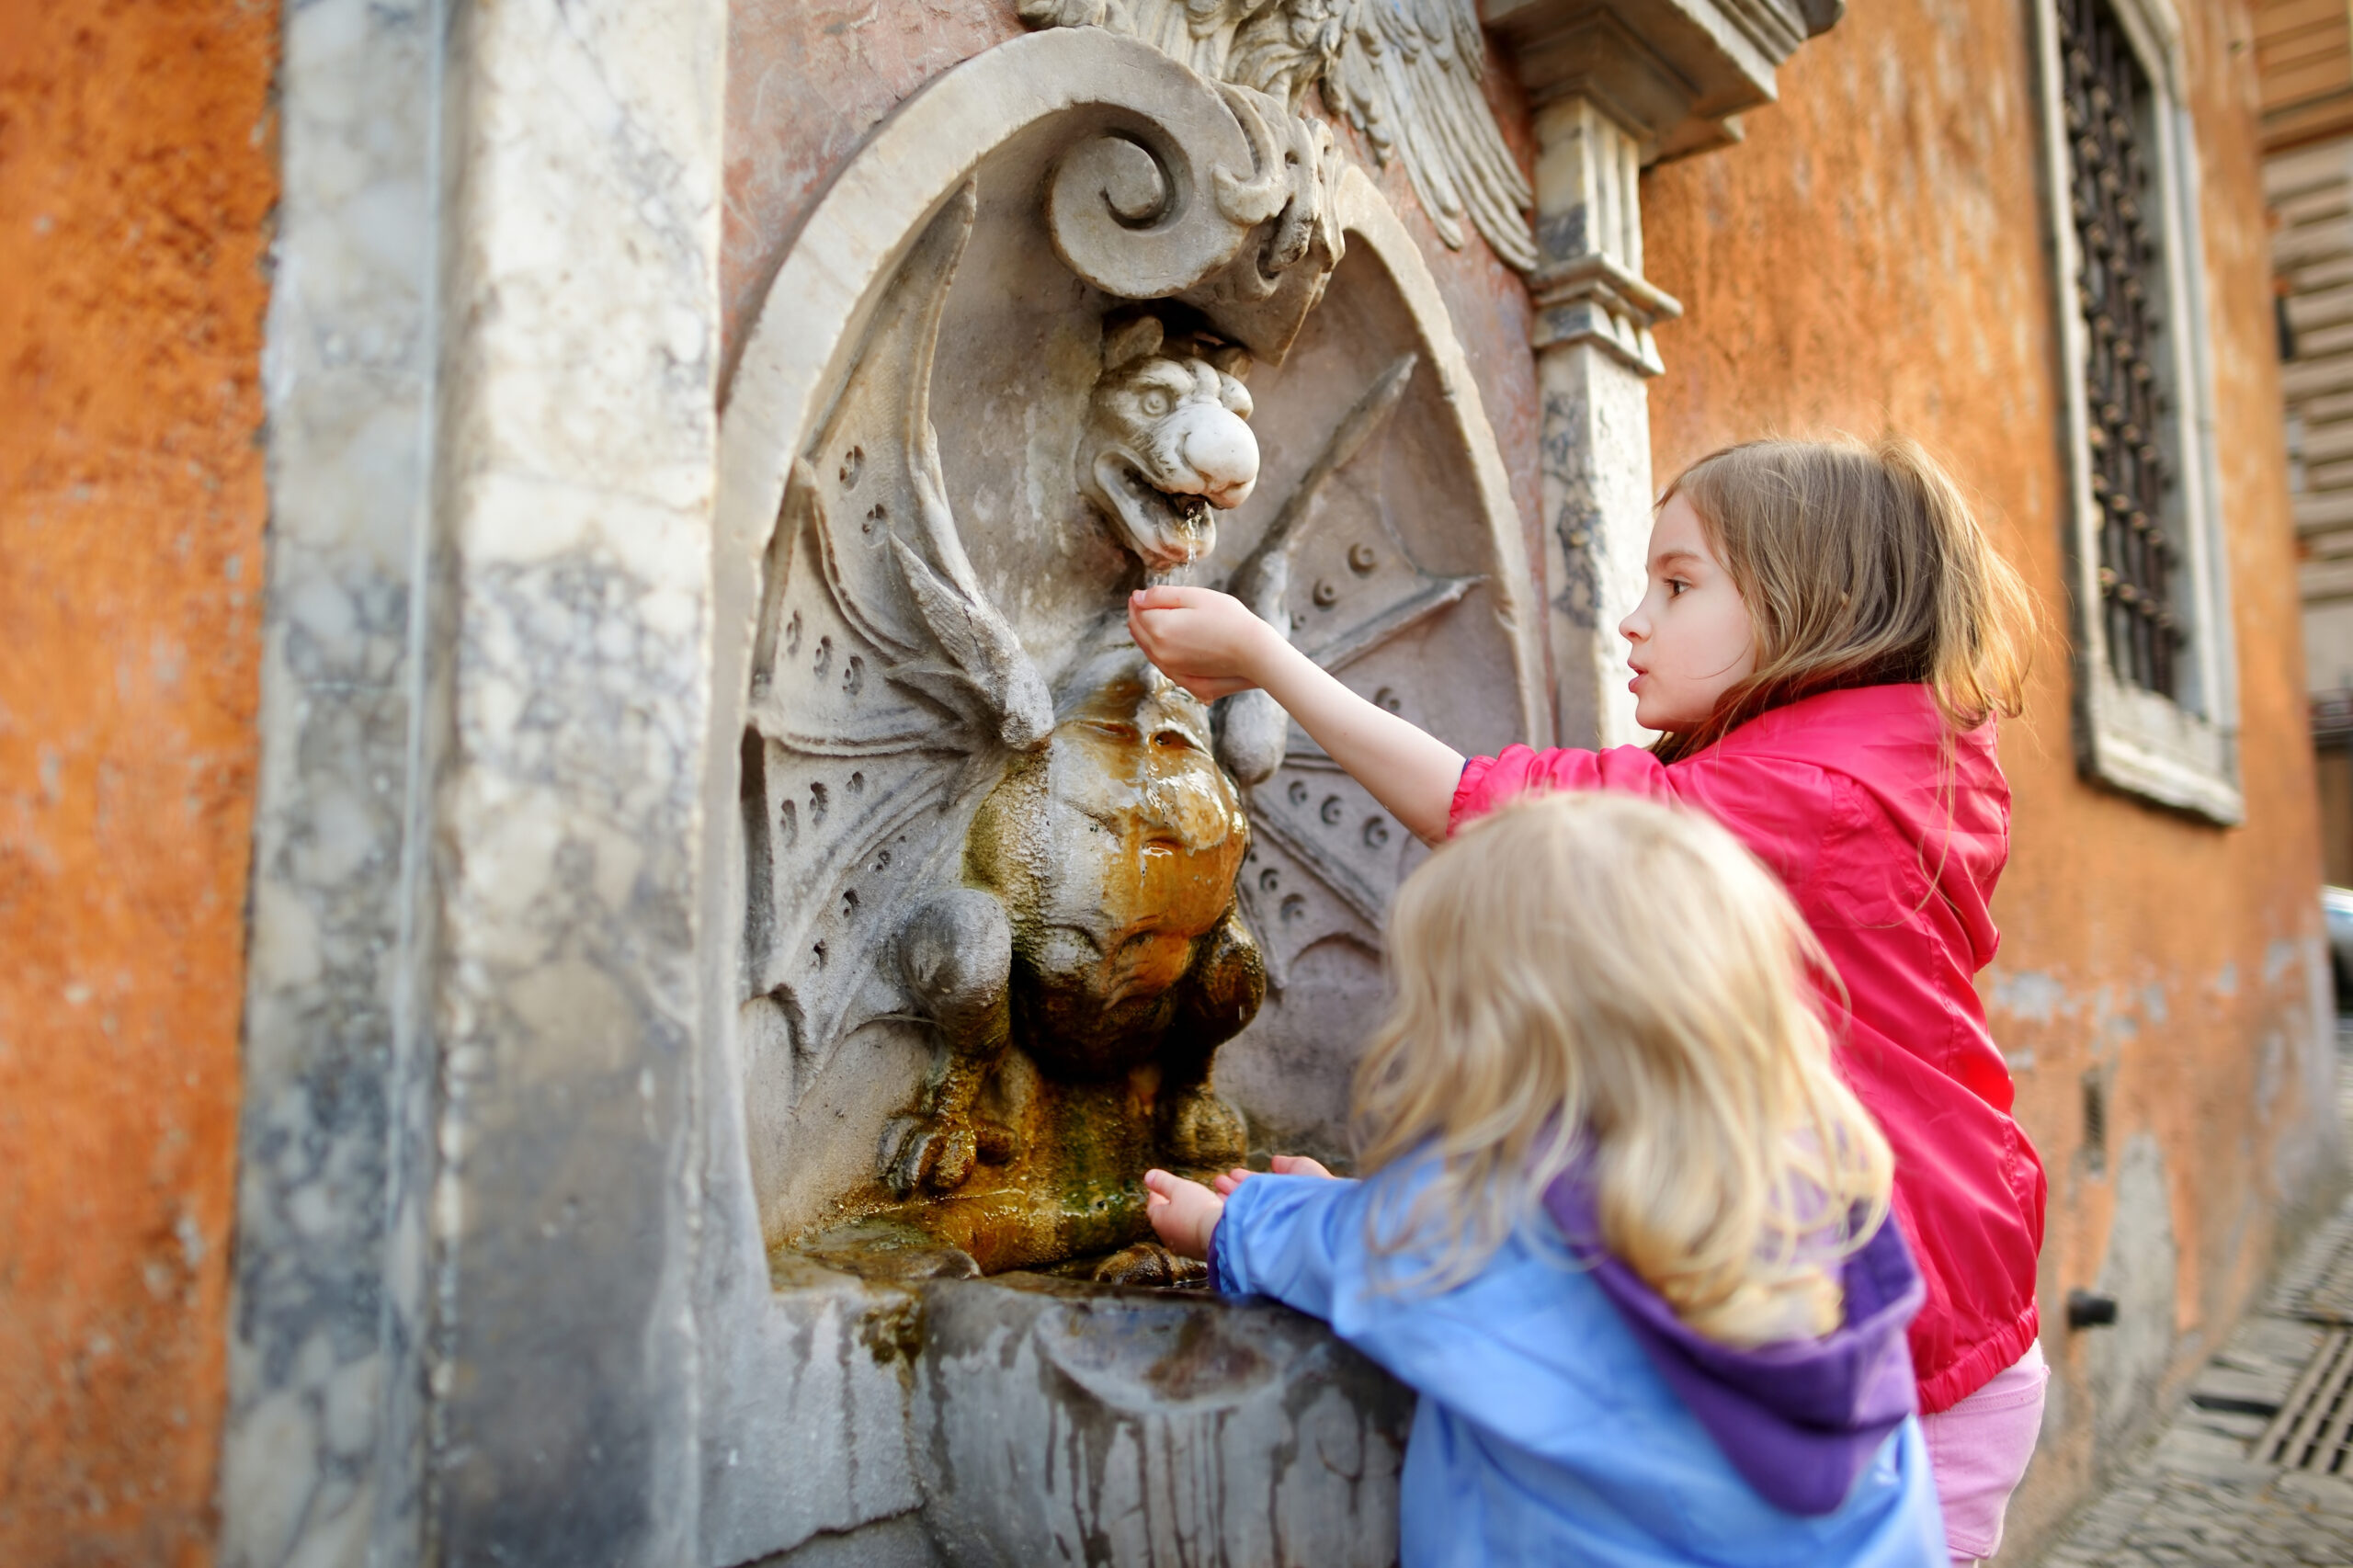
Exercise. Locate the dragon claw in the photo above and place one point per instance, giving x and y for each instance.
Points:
(928, 1154)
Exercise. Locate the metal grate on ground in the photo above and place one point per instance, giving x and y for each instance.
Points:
(2314, 1430)
(2313, 1426)
(2319, 1288)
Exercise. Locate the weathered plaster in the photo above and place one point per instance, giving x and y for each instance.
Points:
(2127, 1368)
(1897, 180)
(137, 173)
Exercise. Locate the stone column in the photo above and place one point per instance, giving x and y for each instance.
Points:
(468, 1203)
(1617, 86)
(1594, 354)
(575, 447)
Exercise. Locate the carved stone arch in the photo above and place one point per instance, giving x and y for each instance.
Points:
(1029, 123)
(1428, 514)
(1417, 530)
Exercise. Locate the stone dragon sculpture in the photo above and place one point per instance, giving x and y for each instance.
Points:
(1046, 877)
(1042, 877)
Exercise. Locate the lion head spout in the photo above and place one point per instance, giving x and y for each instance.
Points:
(1166, 443)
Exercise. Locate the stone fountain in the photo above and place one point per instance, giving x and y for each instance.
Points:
(1019, 918)
(730, 916)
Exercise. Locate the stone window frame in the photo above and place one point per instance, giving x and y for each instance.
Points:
(2179, 751)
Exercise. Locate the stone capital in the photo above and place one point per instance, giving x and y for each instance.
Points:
(1673, 72)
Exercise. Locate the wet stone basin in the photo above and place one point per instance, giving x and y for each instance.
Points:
(1059, 1421)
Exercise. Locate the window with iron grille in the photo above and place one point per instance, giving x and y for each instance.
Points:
(2154, 702)
(2120, 279)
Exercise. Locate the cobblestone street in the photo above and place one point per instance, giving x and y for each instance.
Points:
(2257, 1466)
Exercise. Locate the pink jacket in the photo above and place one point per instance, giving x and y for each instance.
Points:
(1841, 795)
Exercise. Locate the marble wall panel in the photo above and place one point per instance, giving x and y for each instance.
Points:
(574, 464)
(466, 1205)
(319, 1457)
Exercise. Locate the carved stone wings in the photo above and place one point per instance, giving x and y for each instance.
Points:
(1407, 73)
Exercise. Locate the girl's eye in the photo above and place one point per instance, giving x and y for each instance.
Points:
(1677, 587)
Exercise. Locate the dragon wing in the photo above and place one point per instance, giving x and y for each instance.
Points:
(1327, 856)
(885, 692)
(1407, 74)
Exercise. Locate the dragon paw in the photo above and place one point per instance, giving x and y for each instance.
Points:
(1206, 1132)
(936, 1154)
(1149, 1263)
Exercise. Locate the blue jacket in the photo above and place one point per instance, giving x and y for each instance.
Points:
(1545, 1434)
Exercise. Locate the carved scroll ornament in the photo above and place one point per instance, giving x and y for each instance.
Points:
(1407, 73)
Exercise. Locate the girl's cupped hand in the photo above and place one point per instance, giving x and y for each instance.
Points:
(1206, 641)
(1182, 1214)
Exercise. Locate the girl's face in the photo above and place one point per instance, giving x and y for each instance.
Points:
(1691, 635)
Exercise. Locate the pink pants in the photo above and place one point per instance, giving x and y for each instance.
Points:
(1978, 1451)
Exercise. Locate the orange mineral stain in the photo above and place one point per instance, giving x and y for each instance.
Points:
(137, 174)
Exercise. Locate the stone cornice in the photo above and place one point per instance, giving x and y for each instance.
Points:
(1673, 72)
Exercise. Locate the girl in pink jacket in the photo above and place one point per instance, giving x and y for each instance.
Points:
(1824, 643)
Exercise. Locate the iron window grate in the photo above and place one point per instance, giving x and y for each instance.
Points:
(2104, 90)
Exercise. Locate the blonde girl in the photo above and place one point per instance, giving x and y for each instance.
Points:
(1624, 1229)
(1825, 640)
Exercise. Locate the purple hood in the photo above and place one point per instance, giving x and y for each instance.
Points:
(1799, 1419)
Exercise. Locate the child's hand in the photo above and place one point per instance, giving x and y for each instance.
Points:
(1281, 1164)
(1206, 641)
(1182, 1214)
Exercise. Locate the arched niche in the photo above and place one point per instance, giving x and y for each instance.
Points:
(1409, 572)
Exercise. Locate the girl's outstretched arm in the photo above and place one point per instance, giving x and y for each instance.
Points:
(1212, 644)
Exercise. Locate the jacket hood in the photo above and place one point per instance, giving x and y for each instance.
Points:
(1890, 740)
(1799, 1420)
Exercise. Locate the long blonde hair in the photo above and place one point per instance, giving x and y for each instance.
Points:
(1861, 565)
(1594, 977)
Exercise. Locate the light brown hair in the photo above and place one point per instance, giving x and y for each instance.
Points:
(1598, 977)
(1861, 565)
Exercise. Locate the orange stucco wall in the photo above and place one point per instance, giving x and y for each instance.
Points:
(1874, 256)
(136, 176)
